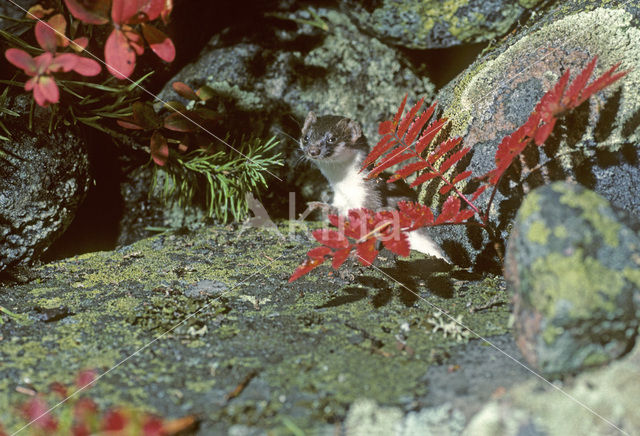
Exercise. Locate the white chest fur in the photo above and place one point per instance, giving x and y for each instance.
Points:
(349, 189)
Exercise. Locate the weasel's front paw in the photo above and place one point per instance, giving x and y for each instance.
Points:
(325, 208)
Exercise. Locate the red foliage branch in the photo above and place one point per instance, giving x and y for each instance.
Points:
(402, 141)
(126, 42)
(81, 416)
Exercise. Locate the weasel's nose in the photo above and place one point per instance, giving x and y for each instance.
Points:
(313, 151)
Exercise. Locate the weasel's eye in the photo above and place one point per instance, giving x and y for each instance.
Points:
(305, 138)
(331, 139)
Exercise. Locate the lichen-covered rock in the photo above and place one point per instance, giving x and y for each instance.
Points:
(574, 268)
(420, 24)
(599, 402)
(296, 355)
(265, 88)
(44, 176)
(595, 145)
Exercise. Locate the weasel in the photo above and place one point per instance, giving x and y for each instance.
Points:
(338, 147)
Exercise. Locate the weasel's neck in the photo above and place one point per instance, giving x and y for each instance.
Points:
(348, 184)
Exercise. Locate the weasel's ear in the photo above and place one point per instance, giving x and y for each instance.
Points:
(355, 130)
(311, 118)
(350, 128)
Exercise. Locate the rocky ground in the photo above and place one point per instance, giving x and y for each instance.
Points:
(199, 321)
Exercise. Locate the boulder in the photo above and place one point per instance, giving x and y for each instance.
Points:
(573, 265)
(44, 176)
(595, 145)
(431, 24)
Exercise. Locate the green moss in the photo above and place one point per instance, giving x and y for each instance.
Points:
(551, 333)
(596, 358)
(320, 342)
(560, 232)
(633, 275)
(589, 203)
(538, 233)
(530, 205)
(575, 285)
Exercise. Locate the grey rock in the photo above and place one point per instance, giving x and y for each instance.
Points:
(264, 88)
(431, 24)
(596, 145)
(573, 266)
(44, 176)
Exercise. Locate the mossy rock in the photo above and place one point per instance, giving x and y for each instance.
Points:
(573, 265)
(215, 309)
(419, 24)
(597, 144)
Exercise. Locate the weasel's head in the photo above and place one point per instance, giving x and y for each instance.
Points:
(331, 138)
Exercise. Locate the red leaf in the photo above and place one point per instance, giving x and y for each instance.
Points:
(385, 127)
(178, 123)
(160, 43)
(79, 44)
(600, 83)
(453, 159)
(129, 124)
(153, 427)
(461, 176)
(445, 189)
(367, 252)
(87, 67)
(159, 148)
(418, 213)
(330, 238)
(22, 60)
(85, 378)
(305, 267)
(96, 13)
(407, 170)
(385, 144)
(450, 209)
(573, 93)
(398, 244)
(464, 215)
(185, 91)
(114, 420)
(544, 131)
(418, 124)
(424, 177)
(406, 121)
(46, 37)
(136, 42)
(429, 133)
(124, 10)
(444, 148)
(46, 91)
(119, 56)
(319, 252)
(340, 256)
(84, 408)
(149, 10)
(392, 159)
(65, 62)
(396, 119)
(479, 191)
(36, 410)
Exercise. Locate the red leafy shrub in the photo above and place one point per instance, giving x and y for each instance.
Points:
(71, 414)
(405, 140)
(42, 67)
(126, 40)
